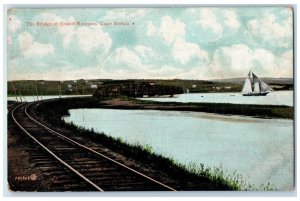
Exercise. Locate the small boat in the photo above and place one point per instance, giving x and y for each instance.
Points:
(254, 86)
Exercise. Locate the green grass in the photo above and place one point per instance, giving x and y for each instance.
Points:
(261, 111)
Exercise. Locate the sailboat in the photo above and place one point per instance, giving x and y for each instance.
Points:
(254, 86)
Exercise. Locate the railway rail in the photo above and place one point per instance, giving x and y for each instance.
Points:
(84, 168)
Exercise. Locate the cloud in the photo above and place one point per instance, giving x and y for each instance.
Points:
(271, 30)
(88, 38)
(184, 51)
(122, 60)
(208, 20)
(125, 63)
(150, 29)
(92, 38)
(30, 48)
(231, 19)
(143, 51)
(14, 24)
(171, 29)
(238, 59)
(125, 14)
(285, 64)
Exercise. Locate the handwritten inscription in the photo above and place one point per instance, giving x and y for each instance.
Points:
(32, 177)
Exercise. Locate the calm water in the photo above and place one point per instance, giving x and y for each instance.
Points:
(34, 98)
(260, 149)
(273, 98)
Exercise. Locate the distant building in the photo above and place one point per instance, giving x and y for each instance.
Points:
(69, 86)
(217, 88)
(227, 87)
(194, 86)
(94, 86)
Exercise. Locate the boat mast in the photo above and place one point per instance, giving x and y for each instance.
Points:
(251, 80)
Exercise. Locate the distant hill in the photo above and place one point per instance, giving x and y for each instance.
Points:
(268, 80)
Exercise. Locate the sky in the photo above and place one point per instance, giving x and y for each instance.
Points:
(149, 43)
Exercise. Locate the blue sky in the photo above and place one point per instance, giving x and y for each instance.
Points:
(162, 43)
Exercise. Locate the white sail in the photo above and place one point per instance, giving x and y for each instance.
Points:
(264, 87)
(247, 86)
(256, 87)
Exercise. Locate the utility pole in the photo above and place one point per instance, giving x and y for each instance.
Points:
(41, 91)
(20, 94)
(83, 89)
(15, 92)
(37, 95)
(60, 90)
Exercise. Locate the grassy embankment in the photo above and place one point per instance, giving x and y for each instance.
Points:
(260, 111)
(211, 178)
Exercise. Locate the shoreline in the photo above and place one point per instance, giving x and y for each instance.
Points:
(257, 111)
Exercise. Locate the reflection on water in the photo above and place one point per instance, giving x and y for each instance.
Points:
(260, 149)
(273, 98)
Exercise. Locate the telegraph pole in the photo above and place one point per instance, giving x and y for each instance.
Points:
(20, 94)
(15, 92)
(37, 95)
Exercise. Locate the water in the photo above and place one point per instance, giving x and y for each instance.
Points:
(273, 98)
(260, 149)
(34, 98)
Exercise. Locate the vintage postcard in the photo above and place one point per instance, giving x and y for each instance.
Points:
(150, 99)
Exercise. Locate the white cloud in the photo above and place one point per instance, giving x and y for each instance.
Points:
(143, 51)
(14, 24)
(150, 29)
(231, 19)
(88, 38)
(171, 29)
(92, 38)
(184, 51)
(124, 63)
(208, 20)
(271, 31)
(125, 14)
(285, 64)
(236, 60)
(122, 59)
(29, 47)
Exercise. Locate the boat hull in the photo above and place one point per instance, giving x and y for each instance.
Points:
(256, 94)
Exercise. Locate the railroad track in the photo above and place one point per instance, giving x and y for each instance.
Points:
(83, 167)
